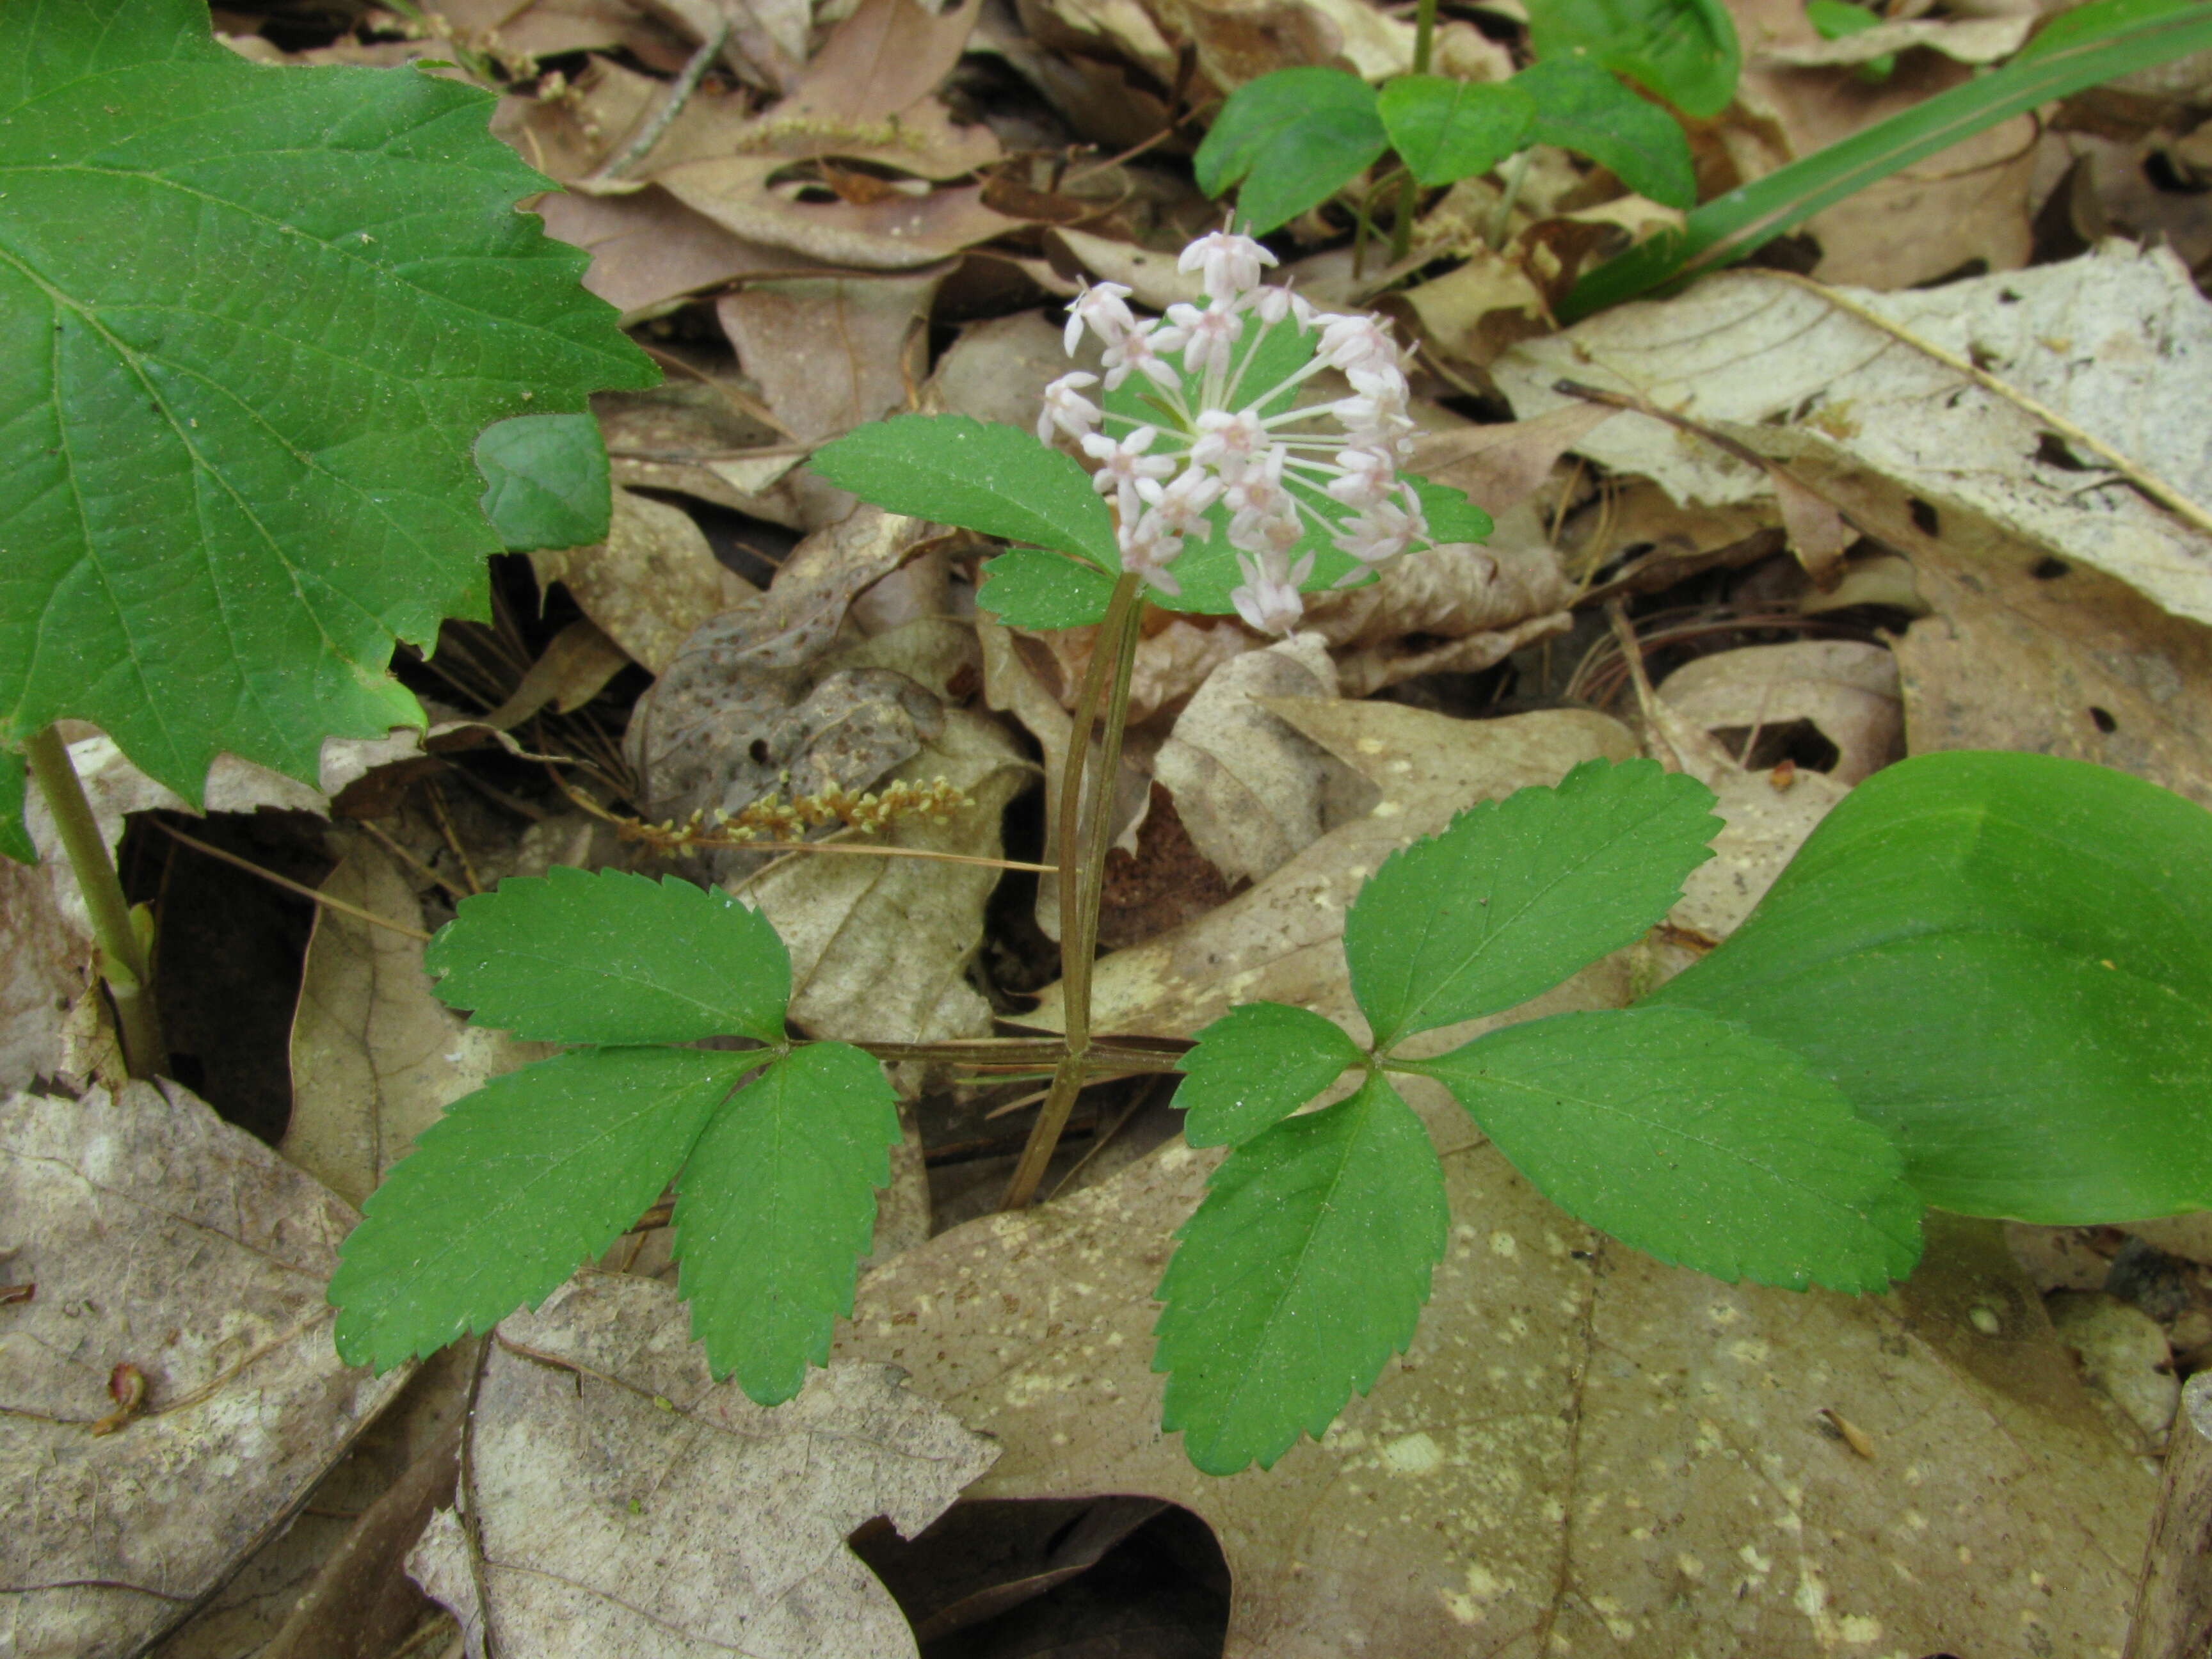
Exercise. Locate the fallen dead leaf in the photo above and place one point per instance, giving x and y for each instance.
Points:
(623, 1502)
(648, 249)
(1498, 467)
(1846, 688)
(650, 583)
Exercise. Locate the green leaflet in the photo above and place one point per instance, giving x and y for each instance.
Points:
(1583, 109)
(545, 482)
(1686, 50)
(1026, 589)
(1445, 129)
(775, 1209)
(1299, 1276)
(1452, 517)
(606, 956)
(256, 318)
(2005, 961)
(1695, 1142)
(14, 836)
(1516, 894)
(516, 1185)
(977, 474)
(1290, 140)
(1256, 1064)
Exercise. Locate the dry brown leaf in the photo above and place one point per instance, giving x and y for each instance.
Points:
(1581, 1451)
(161, 1238)
(376, 1057)
(1473, 312)
(1248, 789)
(648, 249)
(1498, 467)
(998, 370)
(706, 438)
(548, 28)
(624, 1504)
(1847, 689)
(574, 668)
(1963, 40)
(1153, 277)
(897, 232)
(650, 583)
(879, 63)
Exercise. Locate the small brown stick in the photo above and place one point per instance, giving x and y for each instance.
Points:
(439, 811)
(291, 886)
(679, 93)
(453, 890)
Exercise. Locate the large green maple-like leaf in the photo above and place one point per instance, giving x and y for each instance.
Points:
(252, 320)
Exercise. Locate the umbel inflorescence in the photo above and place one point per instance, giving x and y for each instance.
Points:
(1220, 426)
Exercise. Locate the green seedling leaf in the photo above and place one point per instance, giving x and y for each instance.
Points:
(515, 1185)
(255, 317)
(1515, 895)
(2005, 961)
(578, 956)
(775, 1209)
(1583, 109)
(1290, 141)
(1044, 589)
(14, 836)
(1445, 129)
(1695, 1142)
(980, 475)
(1255, 1065)
(1837, 20)
(1686, 50)
(545, 482)
(1300, 1275)
(2079, 49)
(1451, 516)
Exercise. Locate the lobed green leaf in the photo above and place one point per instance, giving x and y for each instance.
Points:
(775, 1210)
(1026, 589)
(255, 317)
(2005, 961)
(1290, 140)
(1686, 50)
(1256, 1064)
(545, 482)
(519, 1183)
(1583, 109)
(578, 956)
(1304, 1269)
(1445, 129)
(980, 475)
(1515, 895)
(1695, 1142)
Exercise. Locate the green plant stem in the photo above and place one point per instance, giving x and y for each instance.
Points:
(123, 961)
(1084, 828)
(1409, 192)
(1515, 170)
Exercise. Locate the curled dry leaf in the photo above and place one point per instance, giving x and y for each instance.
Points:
(1581, 1447)
(2112, 342)
(160, 1238)
(1500, 467)
(650, 583)
(623, 1502)
(648, 249)
(705, 438)
(1846, 688)
(1962, 39)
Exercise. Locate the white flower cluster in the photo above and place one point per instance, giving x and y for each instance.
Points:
(1217, 446)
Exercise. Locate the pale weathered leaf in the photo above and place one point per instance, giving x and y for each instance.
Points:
(1845, 688)
(650, 583)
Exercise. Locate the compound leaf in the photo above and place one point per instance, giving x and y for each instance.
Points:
(1290, 140)
(256, 318)
(14, 836)
(545, 482)
(2005, 961)
(1303, 1271)
(1515, 895)
(1445, 129)
(1582, 108)
(577, 955)
(1024, 589)
(980, 475)
(1686, 50)
(775, 1209)
(1255, 1064)
(1695, 1142)
(513, 1187)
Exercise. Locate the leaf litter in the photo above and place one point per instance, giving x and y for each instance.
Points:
(1972, 517)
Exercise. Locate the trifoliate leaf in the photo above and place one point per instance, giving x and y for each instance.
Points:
(2005, 961)
(775, 1209)
(255, 317)
(1695, 1142)
(1445, 129)
(545, 482)
(1255, 1064)
(1515, 895)
(1300, 1275)
(1024, 589)
(980, 475)
(1292, 139)
(578, 956)
(15, 838)
(520, 1183)
(1686, 50)
(1582, 108)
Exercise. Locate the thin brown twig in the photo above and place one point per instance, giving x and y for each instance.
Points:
(291, 886)
(444, 817)
(453, 890)
(671, 104)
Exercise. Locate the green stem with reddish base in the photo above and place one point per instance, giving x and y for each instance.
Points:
(123, 960)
